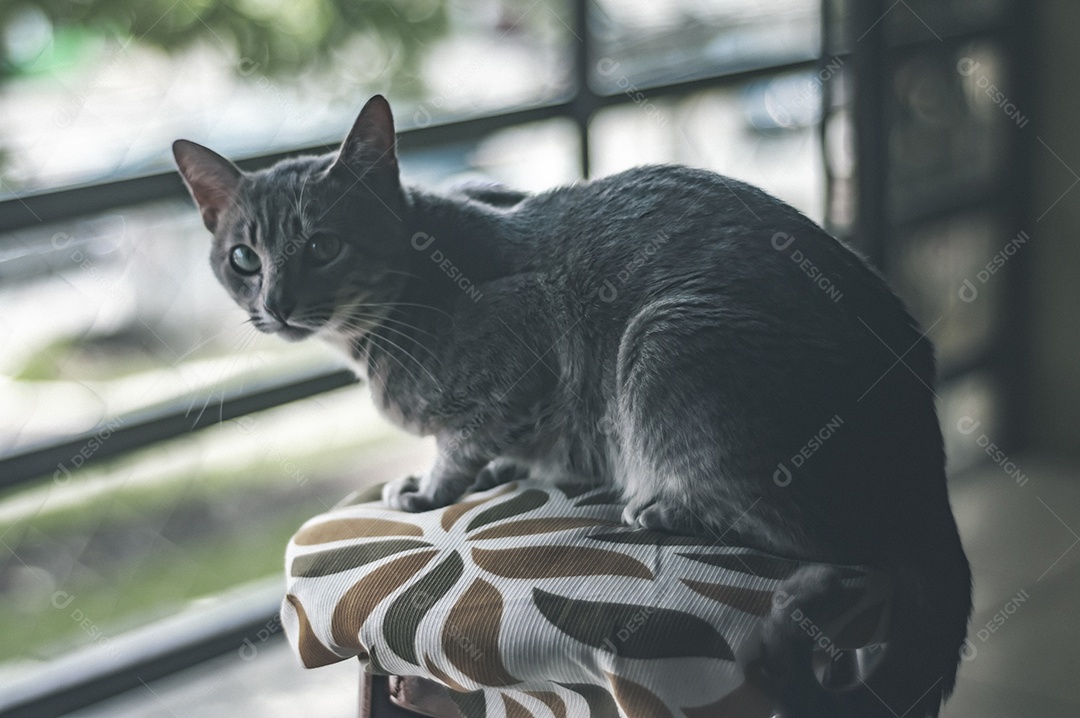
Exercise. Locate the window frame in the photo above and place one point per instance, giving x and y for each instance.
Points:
(871, 60)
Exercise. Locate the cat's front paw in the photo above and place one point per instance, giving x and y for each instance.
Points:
(660, 515)
(406, 494)
(497, 473)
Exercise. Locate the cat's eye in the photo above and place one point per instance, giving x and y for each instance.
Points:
(244, 260)
(322, 248)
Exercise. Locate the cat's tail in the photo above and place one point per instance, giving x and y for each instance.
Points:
(925, 638)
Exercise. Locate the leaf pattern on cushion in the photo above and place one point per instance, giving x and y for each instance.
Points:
(471, 705)
(373, 665)
(341, 529)
(756, 565)
(651, 538)
(356, 605)
(572, 491)
(336, 560)
(558, 562)
(403, 618)
(468, 617)
(312, 652)
(636, 700)
(442, 676)
(602, 498)
(525, 501)
(748, 600)
(633, 631)
(514, 709)
(532, 527)
(746, 701)
(453, 512)
(470, 635)
(552, 700)
(601, 703)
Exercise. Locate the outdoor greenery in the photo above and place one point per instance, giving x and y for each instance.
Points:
(273, 35)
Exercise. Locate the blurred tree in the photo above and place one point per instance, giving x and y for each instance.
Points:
(270, 35)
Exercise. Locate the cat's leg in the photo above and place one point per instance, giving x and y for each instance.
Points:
(700, 423)
(498, 472)
(497, 371)
(456, 468)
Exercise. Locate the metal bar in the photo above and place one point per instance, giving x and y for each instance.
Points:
(86, 676)
(32, 209)
(583, 104)
(1014, 360)
(871, 129)
(124, 435)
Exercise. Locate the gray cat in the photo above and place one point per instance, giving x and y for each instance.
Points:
(700, 345)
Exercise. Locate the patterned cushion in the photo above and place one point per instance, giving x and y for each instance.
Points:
(534, 600)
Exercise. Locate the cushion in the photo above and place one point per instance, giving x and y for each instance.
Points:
(533, 599)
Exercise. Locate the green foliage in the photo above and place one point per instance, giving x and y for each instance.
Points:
(267, 36)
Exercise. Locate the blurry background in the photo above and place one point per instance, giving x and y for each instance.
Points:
(156, 453)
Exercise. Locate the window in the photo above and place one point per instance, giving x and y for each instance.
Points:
(155, 453)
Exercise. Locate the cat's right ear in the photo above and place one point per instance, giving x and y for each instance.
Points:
(211, 179)
(370, 144)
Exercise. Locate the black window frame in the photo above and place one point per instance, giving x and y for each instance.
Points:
(871, 58)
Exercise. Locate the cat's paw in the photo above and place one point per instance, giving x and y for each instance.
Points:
(497, 473)
(406, 494)
(659, 515)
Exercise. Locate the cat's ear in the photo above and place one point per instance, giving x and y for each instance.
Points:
(211, 179)
(371, 142)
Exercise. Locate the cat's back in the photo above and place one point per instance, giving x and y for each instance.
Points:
(668, 230)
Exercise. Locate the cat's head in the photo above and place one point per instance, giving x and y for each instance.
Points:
(312, 244)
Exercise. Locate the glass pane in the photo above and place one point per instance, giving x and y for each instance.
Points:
(106, 316)
(915, 20)
(764, 133)
(97, 96)
(969, 410)
(953, 277)
(648, 42)
(952, 127)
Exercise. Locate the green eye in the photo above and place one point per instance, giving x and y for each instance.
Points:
(244, 260)
(322, 249)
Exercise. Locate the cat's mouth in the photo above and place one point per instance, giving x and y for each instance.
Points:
(288, 332)
(292, 333)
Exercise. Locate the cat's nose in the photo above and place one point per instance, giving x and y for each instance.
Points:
(279, 309)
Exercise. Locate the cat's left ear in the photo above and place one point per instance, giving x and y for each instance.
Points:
(371, 142)
(211, 179)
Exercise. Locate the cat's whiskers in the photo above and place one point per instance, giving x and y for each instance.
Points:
(376, 338)
(372, 332)
(375, 335)
(238, 352)
(410, 304)
(385, 321)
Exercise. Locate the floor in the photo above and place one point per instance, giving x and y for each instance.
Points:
(1022, 661)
